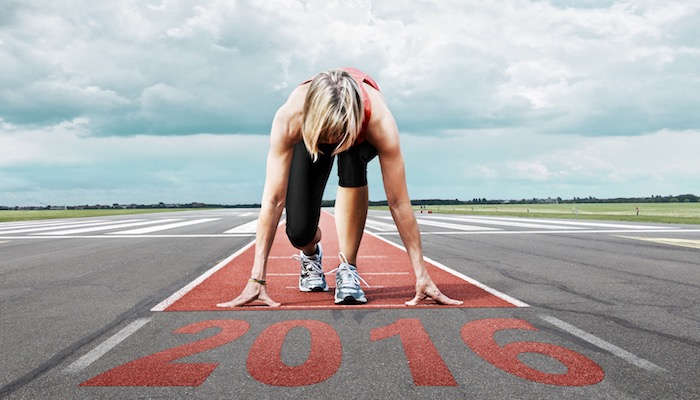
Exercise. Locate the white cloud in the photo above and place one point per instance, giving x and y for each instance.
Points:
(482, 81)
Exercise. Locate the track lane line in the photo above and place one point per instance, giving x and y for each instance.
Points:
(95, 354)
(188, 288)
(598, 342)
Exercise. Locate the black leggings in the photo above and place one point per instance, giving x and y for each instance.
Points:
(307, 181)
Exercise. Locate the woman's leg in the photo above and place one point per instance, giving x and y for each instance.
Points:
(307, 181)
(352, 200)
(351, 205)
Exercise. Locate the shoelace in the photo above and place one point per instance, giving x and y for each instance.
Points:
(309, 264)
(347, 275)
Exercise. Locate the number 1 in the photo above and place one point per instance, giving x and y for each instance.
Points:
(426, 365)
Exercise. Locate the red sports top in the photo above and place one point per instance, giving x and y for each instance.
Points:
(361, 77)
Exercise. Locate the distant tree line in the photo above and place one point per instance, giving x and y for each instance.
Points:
(683, 198)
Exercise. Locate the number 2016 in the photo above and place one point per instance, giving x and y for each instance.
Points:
(427, 367)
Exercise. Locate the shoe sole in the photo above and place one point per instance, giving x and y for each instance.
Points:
(349, 300)
(314, 289)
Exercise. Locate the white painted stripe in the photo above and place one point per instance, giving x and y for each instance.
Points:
(448, 225)
(331, 287)
(164, 227)
(248, 227)
(355, 307)
(106, 346)
(104, 227)
(73, 225)
(184, 236)
(624, 354)
(362, 273)
(180, 293)
(692, 243)
(576, 223)
(34, 224)
(503, 222)
(504, 232)
(380, 226)
(474, 282)
(290, 257)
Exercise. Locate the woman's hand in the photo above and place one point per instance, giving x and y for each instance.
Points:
(254, 291)
(425, 288)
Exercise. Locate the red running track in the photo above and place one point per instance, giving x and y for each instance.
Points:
(384, 266)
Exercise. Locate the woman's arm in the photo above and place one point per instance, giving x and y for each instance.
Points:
(282, 139)
(384, 135)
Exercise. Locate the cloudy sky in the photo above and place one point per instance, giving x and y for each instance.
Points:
(138, 101)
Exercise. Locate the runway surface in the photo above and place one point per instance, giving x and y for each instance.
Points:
(124, 308)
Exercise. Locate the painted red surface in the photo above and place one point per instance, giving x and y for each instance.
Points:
(386, 269)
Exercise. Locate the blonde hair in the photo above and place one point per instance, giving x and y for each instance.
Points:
(333, 112)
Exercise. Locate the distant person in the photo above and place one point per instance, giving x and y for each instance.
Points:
(340, 112)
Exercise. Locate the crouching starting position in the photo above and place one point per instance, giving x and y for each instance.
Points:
(341, 113)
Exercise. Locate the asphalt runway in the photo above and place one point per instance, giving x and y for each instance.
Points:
(119, 308)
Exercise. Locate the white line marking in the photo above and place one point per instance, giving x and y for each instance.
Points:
(504, 232)
(205, 235)
(474, 282)
(164, 227)
(458, 227)
(48, 228)
(94, 354)
(695, 244)
(363, 273)
(104, 227)
(624, 354)
(504, 222)
(36, 224)
(575, 223)
(354, 307)
(290, 257)
(180, 293)
(329, 288)
(248, 227)
(380, 226)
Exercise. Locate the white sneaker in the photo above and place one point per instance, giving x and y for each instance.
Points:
(311, 278)
(347, 283)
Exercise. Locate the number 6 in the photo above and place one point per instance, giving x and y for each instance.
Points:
(479, 336)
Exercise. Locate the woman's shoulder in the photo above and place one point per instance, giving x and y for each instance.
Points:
(288, 118)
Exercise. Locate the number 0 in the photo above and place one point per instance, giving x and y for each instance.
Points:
(265, 357)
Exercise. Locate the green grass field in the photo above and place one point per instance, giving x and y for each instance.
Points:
(673, 213)
(28, 215)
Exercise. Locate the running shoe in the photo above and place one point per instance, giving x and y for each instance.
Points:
(347, 284)
(311, 278)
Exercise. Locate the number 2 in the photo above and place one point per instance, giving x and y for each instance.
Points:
(158, 370)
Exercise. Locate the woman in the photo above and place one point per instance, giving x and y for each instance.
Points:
(339, 112)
